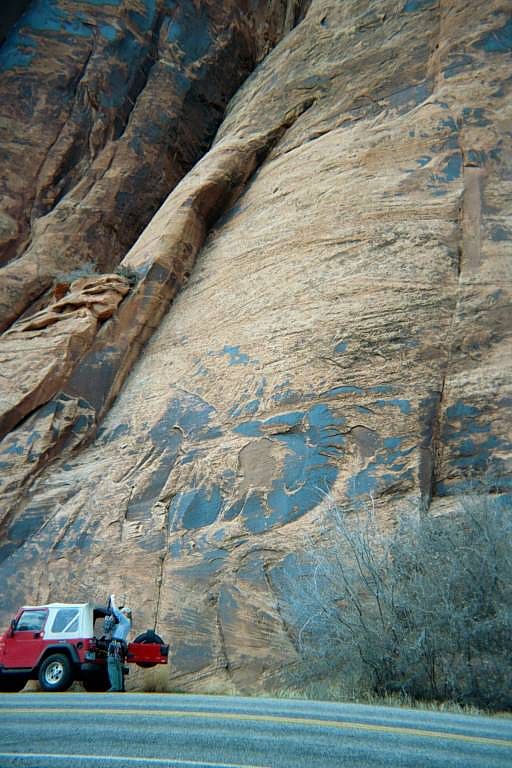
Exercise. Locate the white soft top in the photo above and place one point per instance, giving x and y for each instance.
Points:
(68, 620)
(55, 605)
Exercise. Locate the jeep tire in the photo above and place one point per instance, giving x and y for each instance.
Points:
(56, 673)
(96, 682)
(148, 637)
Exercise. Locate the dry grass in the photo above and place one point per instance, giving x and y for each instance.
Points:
(219, 688)
(327, 691)
(156, 680)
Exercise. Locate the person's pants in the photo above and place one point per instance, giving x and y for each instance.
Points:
(115, 667)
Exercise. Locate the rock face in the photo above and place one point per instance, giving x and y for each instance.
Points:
(37, 354)
(340, 262)
(105, 109)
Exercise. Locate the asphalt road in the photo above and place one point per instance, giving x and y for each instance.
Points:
(75, 730)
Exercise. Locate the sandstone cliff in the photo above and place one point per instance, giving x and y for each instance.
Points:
(225, 295)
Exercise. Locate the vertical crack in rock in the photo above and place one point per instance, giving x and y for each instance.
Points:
(467, 263)
(159, 582)
(470, 251)
(431, 448)
(222, 646)
(165, 528)
(275, 601)
(165, 501)
(140, 80)
(434, 63)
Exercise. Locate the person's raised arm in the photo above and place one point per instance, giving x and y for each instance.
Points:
(115, 610)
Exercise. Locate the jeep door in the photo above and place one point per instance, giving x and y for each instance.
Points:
(24, 645)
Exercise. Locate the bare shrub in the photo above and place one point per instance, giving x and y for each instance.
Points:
(156, 680)
(424, 611)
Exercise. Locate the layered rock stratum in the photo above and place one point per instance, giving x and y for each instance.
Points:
(255, 255)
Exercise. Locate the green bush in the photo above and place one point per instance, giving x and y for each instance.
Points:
(128, 273)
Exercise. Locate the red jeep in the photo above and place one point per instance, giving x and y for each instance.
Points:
(60, 642)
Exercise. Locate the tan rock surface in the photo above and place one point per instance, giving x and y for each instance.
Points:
(38, 354)
(345, 330)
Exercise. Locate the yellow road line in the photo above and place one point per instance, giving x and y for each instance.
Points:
(275, 719)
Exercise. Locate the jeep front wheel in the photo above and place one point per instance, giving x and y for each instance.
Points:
(55, 673)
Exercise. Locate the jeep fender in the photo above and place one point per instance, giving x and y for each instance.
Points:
(68, 648)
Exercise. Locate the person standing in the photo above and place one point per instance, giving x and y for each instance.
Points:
(117, 647)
